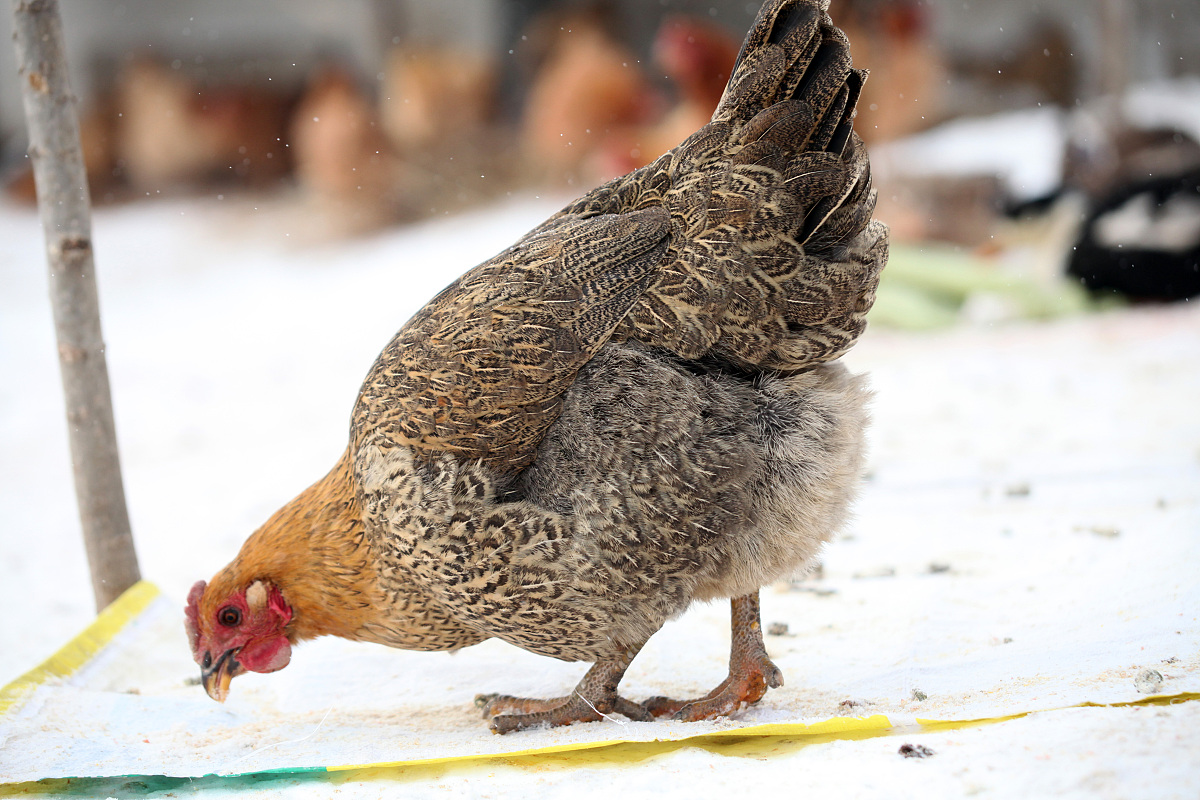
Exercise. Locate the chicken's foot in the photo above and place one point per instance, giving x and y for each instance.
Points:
(592, 699)
(751, 672)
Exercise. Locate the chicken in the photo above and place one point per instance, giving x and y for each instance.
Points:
(696, 55)
(344, 163)
(635, 407)
(899, 36)
(587, 86)
(172, 131)
(431, 95)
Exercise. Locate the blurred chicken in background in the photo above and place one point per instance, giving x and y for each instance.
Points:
(577, 91)
(439, 109)
(173, 133)
(159, 130)
(345, 165)
(587, 86)
(894, 39)
(432, 95)
(695, 55)
(98, 141)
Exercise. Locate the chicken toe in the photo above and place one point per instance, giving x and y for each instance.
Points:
(751, 672)
(593, 698)
(496, 704)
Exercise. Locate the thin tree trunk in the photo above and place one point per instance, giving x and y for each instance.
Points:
(58, 171)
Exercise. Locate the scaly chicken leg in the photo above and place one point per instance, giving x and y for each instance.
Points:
(751, 671)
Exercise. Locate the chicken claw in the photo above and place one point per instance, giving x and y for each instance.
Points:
(751, 672)
(594, 698)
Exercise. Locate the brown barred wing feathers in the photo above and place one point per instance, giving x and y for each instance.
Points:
(480, 371)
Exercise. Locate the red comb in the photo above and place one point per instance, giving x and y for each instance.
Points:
(192, 621)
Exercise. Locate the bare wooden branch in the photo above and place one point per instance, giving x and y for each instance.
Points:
(65, 209)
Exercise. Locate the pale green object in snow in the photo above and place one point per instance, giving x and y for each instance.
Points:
(926, 286)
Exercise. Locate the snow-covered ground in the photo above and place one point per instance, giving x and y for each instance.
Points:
(1050, 471)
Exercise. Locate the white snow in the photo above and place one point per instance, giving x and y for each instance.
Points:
(1164, 104)
(1054, 468)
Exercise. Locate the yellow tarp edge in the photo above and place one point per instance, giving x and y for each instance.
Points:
(1151, 700)
(823, 731)
(82, 648)
(834, 726)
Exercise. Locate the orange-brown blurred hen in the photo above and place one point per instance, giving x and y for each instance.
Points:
(697, 56)
(587, 87)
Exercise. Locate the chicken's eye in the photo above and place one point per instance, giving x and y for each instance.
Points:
(229, 616)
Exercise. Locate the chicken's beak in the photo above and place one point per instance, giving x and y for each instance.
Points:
(216, 676)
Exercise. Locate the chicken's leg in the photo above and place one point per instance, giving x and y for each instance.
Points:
(594, 696)
(751, 671)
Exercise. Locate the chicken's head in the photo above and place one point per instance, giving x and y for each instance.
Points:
(236, 631)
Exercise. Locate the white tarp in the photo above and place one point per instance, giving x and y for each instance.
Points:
(994, 571)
